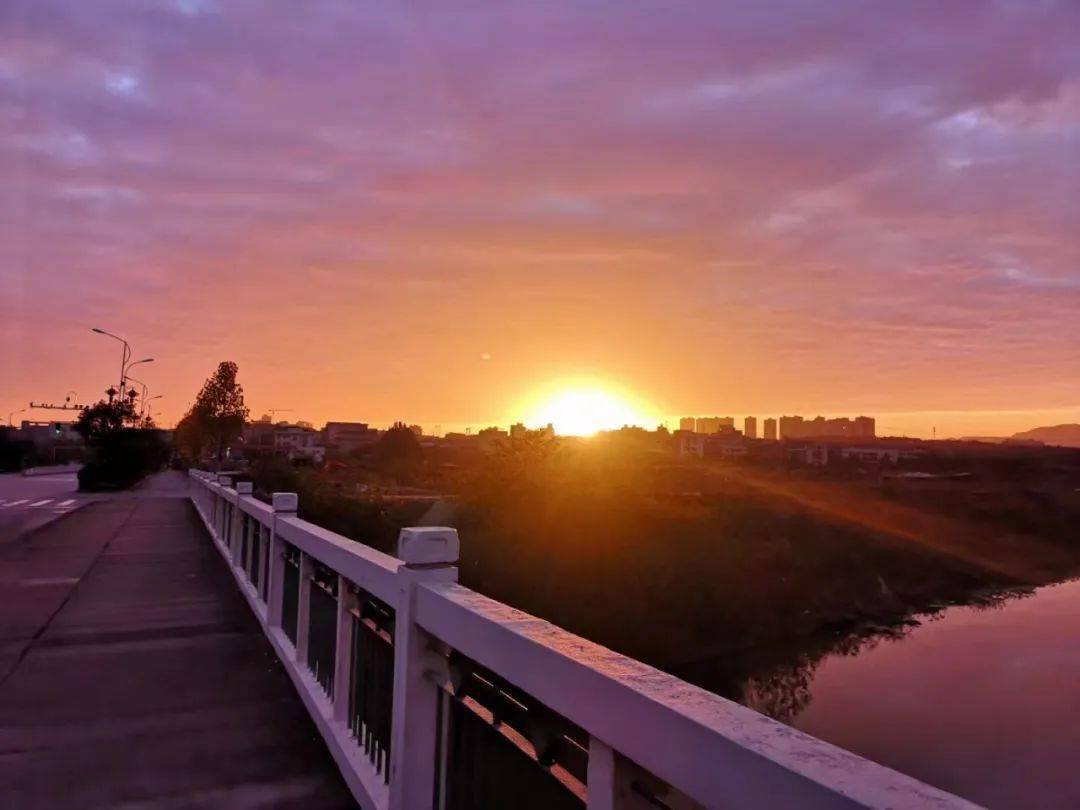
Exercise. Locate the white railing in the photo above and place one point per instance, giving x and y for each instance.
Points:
(398, 664)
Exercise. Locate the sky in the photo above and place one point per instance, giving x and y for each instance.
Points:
(433, 211)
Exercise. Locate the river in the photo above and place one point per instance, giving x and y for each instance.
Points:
(982, 702)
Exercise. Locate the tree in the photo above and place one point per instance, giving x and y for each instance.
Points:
(524, 464)
(218, 415)
(103, 419)
(190, 436)
(398, 453)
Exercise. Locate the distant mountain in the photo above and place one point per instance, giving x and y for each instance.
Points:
(1062, 435)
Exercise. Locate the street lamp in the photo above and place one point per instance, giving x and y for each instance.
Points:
(145, 389)
(124, 356)
(10, 415)
(147, 414)
(144, 360)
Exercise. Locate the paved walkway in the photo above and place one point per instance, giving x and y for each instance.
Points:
(133, 675)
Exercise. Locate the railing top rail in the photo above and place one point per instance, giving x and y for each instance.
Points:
(703, 744)
(372, 570)
(262, 512)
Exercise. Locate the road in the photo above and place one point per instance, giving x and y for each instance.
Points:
(30, 502)
(27, 502)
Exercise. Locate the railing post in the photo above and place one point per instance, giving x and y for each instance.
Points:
(223, 514)
(303, 610)
(610, 785)
(284, 505)
(234, 525)
(243, 488)
(428, 553)
(213, 513)
(263, 588)
(343, 650)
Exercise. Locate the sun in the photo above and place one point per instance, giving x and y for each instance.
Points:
(583, 411)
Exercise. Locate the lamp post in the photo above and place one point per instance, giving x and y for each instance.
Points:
(10, 415)
(147, 415)
(124, 356)
(130, 365)
(140, 382)
(145, 390)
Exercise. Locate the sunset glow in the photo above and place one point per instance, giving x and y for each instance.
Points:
(585, 411)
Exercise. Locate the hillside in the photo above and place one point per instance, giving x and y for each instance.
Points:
(1062, 435)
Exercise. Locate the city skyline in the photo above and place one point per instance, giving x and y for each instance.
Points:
(385, 212)
(915, 424)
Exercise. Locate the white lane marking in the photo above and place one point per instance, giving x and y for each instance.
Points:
(16, 503)
(42, 502)
(68, 502)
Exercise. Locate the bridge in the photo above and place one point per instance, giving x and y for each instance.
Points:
(191, 645)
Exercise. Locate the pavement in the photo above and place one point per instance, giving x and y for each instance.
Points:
(133, 675)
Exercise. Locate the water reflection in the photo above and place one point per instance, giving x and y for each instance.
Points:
(777, 681)
(980, 700)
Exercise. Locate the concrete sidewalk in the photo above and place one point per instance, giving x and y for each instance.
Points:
(132, 673)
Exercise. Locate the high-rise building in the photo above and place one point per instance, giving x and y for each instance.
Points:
(770, 429)
(750, 427)
(714, 424)
(687, 424)
(791, 427)
(795, 427)
(865, 428)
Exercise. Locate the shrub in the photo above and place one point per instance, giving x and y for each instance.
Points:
(118, 455)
